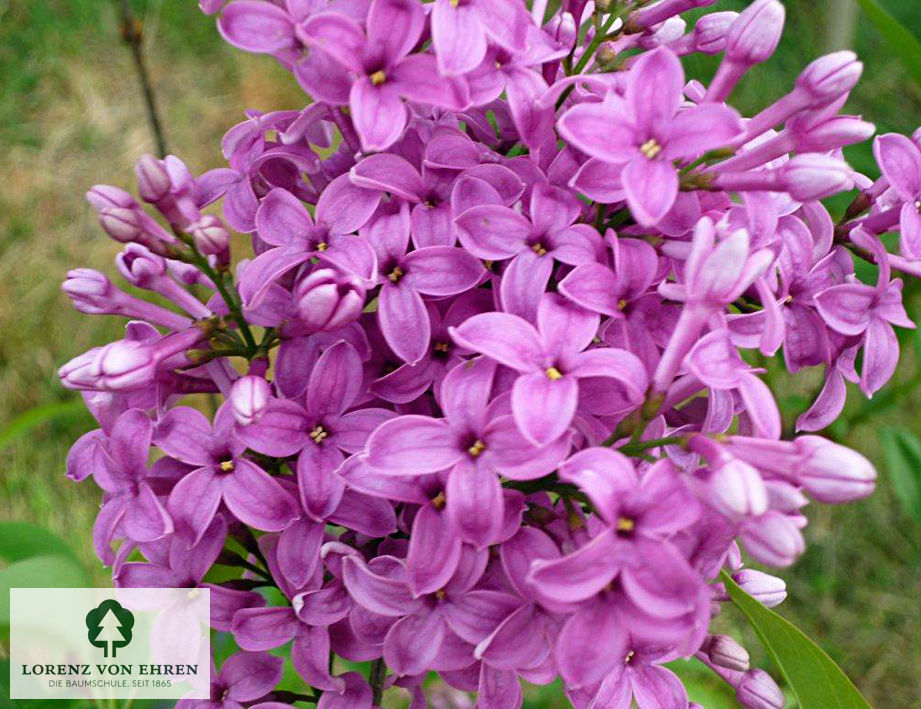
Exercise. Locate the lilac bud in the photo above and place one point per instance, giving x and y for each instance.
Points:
(738, 490)
(210, 7)
(769, 590)
(210, 234)
(89, 290)
(120, 223)
(249, 398)
(649, 16)
(153, 179)
(832, 134)
(121, 365)
(830, 76)
(773, 539)
(105, 197)
(669, 31)
(139, 266)
(753, 37)
(759, 691)
(832, 473)
(815, 176)
(711, 31)
(724, 651)
(328, 299)
(784, 497)
(125, 365)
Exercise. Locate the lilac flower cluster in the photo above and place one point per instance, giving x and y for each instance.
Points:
(481, 404)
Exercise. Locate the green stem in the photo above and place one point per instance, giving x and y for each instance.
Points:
(638, 447)
(376, 680)
(600, 36)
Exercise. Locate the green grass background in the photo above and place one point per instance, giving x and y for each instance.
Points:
(71, 116)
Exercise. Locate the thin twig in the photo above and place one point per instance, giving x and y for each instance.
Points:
(378, 675)
(132, 34)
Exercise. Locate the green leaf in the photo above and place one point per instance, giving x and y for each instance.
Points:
(903, 463)
(20, 540)
(811, 674)
(899, 40)
(50, 571)
(24, 423)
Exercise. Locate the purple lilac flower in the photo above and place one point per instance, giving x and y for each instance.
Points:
(511, 268)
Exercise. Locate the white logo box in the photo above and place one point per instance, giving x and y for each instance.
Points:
(103, 643)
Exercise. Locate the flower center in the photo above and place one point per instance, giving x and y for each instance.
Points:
(539, 249)
(553, 373)
(628, 658)
(441, 594)
(477, 448)
(438, 502)
(193, 594)
(226, 466)
(625, 525)
(322, 246)
(378, 77)
(651, 148)
(395, 275)
(318, 434)
(622, 304)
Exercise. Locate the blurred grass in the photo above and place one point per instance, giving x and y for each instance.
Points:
(71, 116)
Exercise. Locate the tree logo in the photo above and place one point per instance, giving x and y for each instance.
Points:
(109, 626)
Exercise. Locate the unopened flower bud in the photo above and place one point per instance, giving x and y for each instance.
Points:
(121, 365)
(328, 299)
(153, 179)
(106, 197)
(753, 37)
(830, 76)
(249, 398)
(784, 497)
(758, 690)
(210, 234)
(768, 590)
(125, 365)
(832, 134)
(832, 473)
(139, 266)
(89, 290)
(711, 31)
(724, 651)
(815, 176)
(738, 490)
(120, 223)
(773, 539)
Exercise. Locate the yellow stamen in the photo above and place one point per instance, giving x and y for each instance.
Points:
(629, 657)
(395, 275)
(322, 246)
(553, 373)
(194, 593)
(378, 77)
(625, 524)
(477, 448)
(318, 434)
(622, 303)
(539, 249)
(227, 466)
(489, 264)
(651, 148)
(441, 347)
(455, 3)
(440, 594)
(438, 502)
